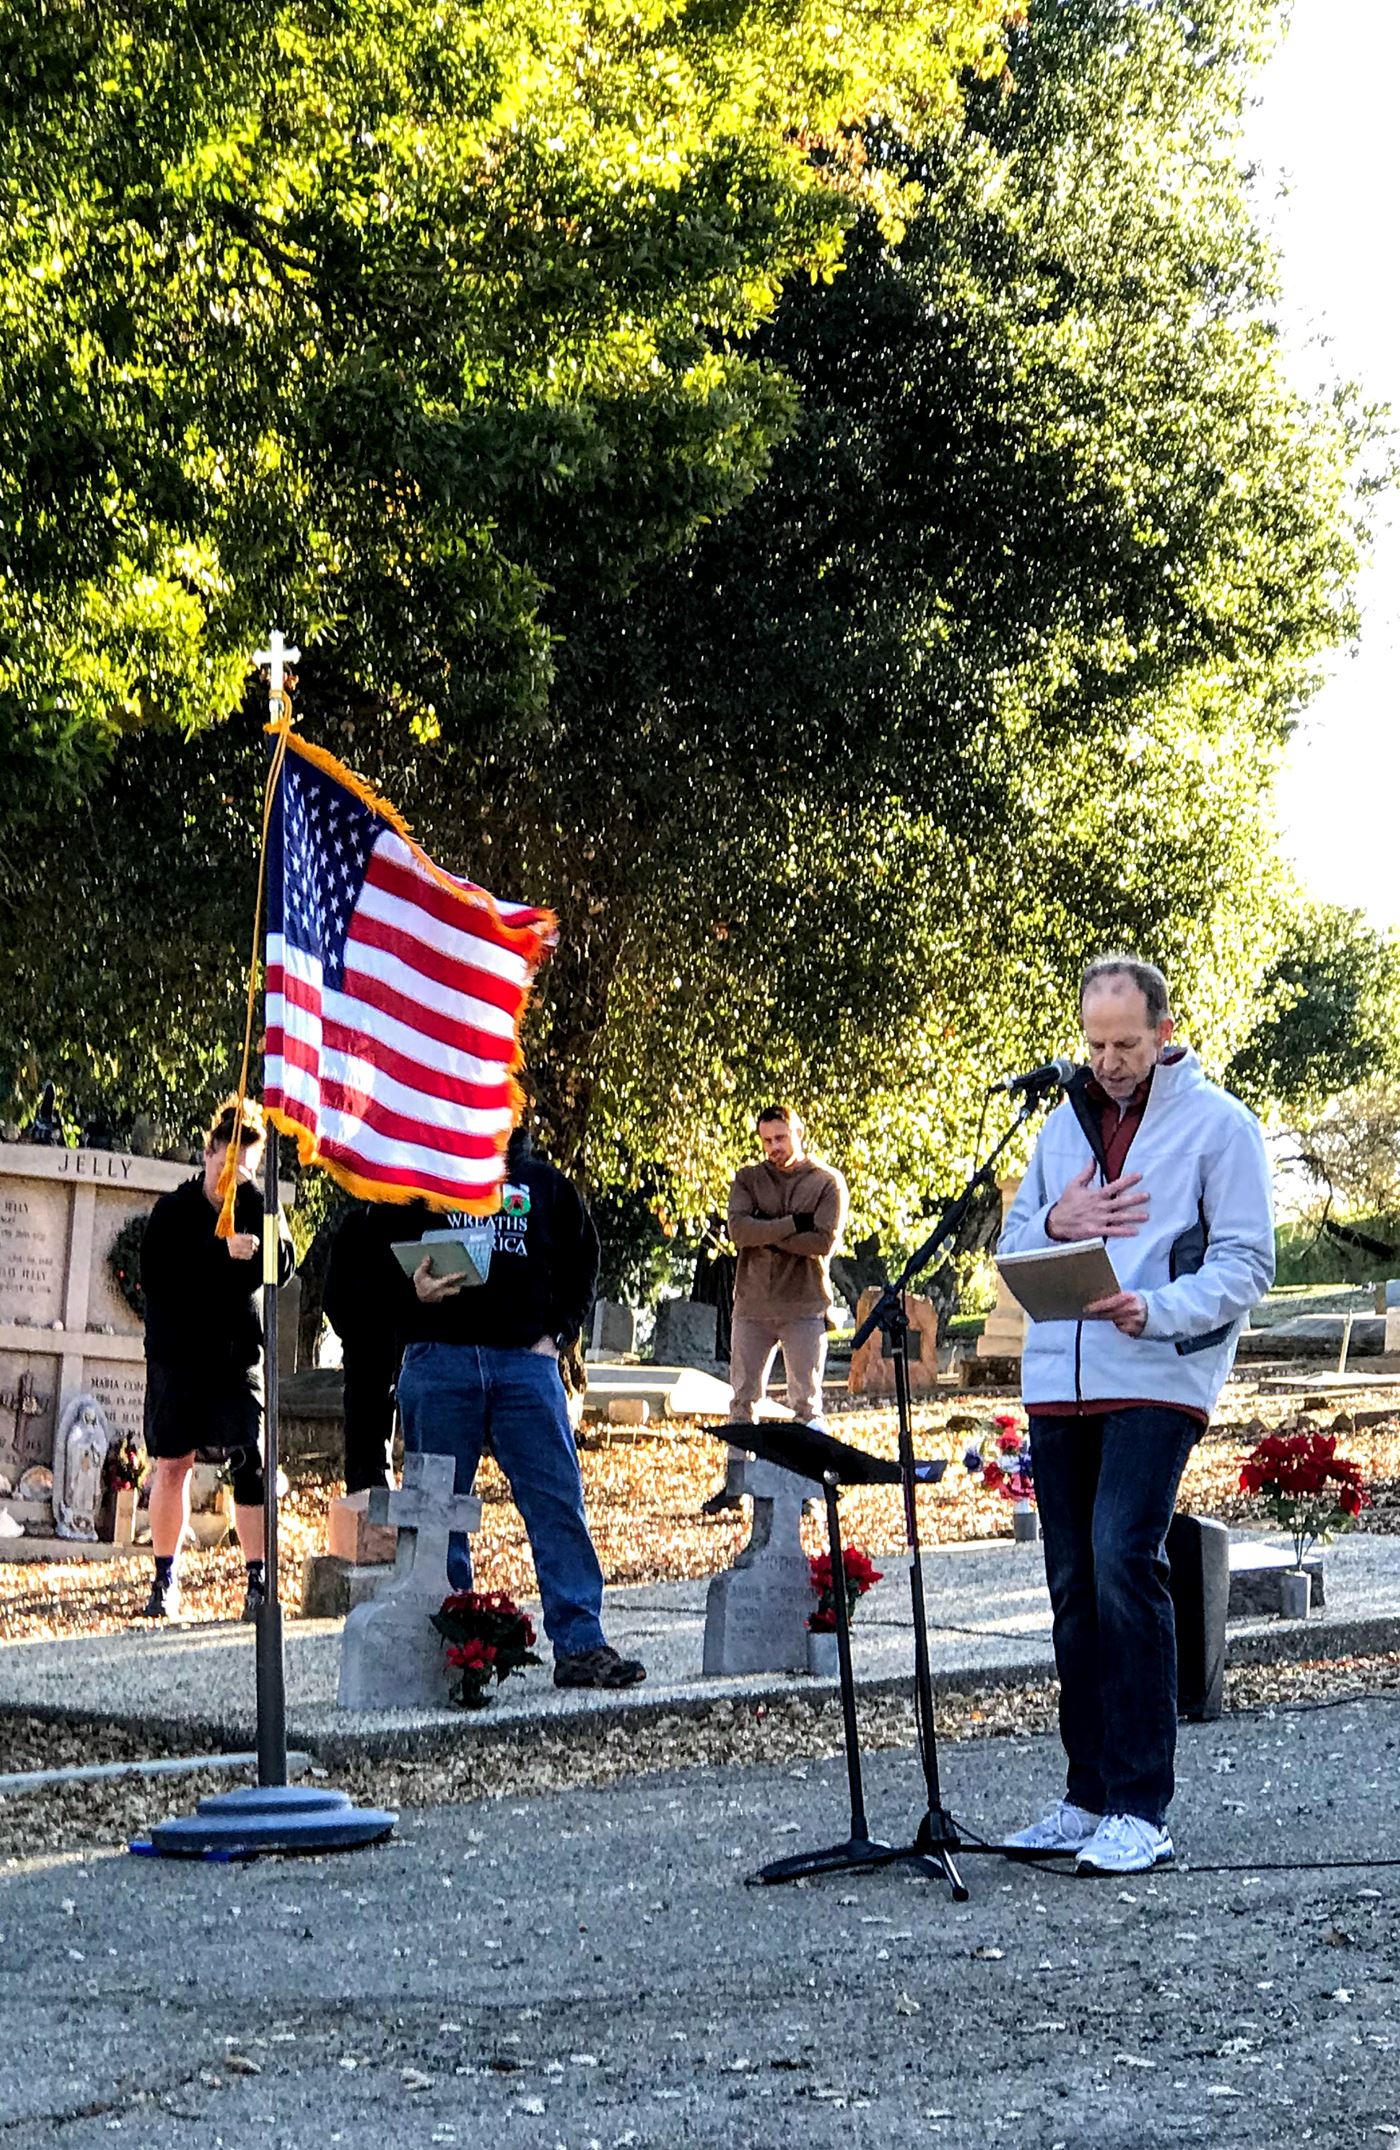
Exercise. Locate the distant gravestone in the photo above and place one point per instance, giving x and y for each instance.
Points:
(391, 1655)
(67, 1333)
(872, 1367)
(614, 1330)
(685, 1334)
(1004, 1331)
(756, 1612)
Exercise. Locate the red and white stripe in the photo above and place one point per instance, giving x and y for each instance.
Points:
(400, 1080)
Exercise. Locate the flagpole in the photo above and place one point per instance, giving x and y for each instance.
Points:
(271, 1663)
(271, 1815)
(271, 1656)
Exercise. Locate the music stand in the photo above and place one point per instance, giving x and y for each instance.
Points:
(809, 1453)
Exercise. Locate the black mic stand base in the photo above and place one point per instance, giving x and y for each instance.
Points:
(931, 1850)
(844, 1858)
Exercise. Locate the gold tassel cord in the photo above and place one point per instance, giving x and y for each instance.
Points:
(228, 1178)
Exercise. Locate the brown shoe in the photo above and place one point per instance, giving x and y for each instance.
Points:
(598, 1668)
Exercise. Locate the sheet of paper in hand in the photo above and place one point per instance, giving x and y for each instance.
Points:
(465, 1253)
(1057, 1283)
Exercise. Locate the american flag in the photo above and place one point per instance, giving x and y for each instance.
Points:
(395, 993)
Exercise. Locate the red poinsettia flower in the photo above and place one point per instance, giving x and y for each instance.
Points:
(992, 1475)
(860, 1569)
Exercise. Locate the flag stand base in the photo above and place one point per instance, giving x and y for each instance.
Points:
(271, 1815)
(267, 1818)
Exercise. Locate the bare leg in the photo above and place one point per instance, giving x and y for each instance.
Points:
(248, 1522)
(170, 1505)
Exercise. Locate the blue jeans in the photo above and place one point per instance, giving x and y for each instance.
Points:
(452, 1397)
(1106, 1489)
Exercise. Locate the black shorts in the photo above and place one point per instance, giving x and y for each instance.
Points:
(187, 1414)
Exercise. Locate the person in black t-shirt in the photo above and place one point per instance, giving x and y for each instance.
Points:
(204, 1345)
(482, 1362)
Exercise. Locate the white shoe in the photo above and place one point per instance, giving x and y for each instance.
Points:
(1064, 1830)
(1125, 1844)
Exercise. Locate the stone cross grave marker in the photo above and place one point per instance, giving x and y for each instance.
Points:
(756, 1612)
(391, 1655)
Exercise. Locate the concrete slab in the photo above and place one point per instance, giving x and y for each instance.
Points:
(671, 1391)
(1324, 1388)
(989, 1622)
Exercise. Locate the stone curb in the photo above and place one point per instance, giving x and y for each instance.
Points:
(1290, 1642)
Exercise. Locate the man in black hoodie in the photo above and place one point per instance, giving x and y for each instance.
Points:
(482, 1363)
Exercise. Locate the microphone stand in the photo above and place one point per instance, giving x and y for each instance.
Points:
(936, 1838)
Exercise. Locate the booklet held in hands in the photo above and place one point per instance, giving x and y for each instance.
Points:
(465, 1254)
(1057, 1283)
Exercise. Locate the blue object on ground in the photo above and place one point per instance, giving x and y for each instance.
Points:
(262, 1818)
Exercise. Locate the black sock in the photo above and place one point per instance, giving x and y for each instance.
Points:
(165, 1567)
(256, 1573)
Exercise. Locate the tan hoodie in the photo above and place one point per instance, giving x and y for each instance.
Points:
(783, 1271)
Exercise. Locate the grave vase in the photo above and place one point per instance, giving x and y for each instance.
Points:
(823, 1658)
(1025, 1523)
(1295, 1594)
(124, 1515)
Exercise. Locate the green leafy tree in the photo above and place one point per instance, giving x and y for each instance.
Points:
(378, 319)
(991, 668)
(1330, 1019)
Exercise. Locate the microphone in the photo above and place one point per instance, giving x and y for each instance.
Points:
(1054, 1075)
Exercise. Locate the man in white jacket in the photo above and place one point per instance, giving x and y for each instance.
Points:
(1117, 1401)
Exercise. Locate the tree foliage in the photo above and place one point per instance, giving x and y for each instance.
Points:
(1350, 1155)
(836, 777)
(994, 666)
(1330, 1015)
(379, 318)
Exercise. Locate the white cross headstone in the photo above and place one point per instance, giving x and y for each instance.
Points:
(756, 1612)
(391, 1655)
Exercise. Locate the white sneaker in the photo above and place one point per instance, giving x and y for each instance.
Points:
(1125, 1844)
(1064, 1830)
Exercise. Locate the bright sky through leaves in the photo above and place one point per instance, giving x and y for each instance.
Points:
(1325, 121)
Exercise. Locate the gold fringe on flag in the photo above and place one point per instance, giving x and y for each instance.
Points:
(532, 941)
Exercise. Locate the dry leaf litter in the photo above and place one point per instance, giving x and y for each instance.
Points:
(643, 1498)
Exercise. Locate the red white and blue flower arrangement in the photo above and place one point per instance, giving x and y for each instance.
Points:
(1003, 1459)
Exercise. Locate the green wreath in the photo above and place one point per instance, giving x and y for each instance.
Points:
(124, 1263)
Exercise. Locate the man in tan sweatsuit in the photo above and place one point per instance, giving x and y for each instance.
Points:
(785, 1218)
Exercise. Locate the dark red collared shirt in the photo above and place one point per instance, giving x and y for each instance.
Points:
(1118, 1123)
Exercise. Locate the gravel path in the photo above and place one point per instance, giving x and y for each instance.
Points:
(583, 1969)
(498, 1764)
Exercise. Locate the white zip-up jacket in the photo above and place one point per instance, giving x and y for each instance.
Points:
(1203, 1258)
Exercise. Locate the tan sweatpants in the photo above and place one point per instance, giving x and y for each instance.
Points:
(754, 1345)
